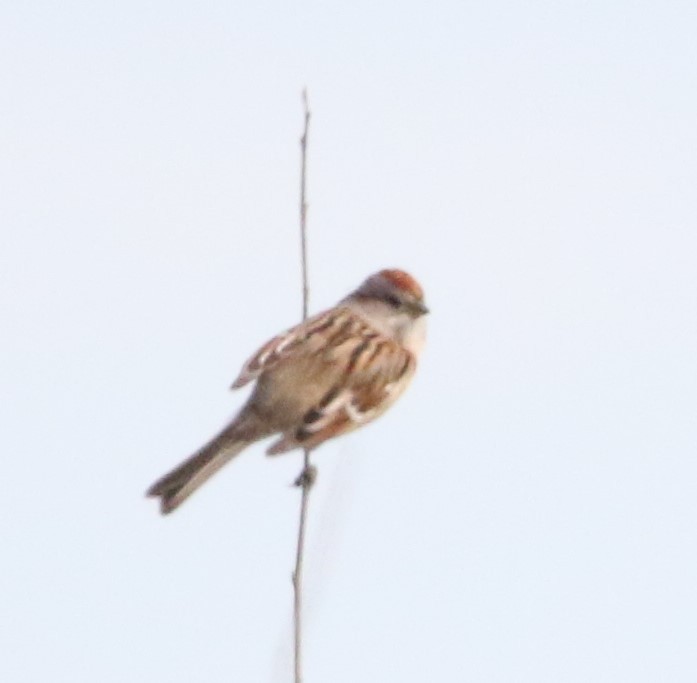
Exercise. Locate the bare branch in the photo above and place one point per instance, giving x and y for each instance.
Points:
(309, 473)
(303, 206)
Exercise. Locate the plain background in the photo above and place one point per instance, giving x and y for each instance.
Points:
(526, 513)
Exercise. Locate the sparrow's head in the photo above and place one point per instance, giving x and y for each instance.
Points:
(393, 301)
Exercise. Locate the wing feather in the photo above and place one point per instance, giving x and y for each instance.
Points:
(376, 372)
(312, 333)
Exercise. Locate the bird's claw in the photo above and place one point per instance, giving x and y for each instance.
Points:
(306, 478)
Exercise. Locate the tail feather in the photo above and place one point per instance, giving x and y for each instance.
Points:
(176, 486)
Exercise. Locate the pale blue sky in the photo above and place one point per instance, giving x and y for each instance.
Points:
(527, 513)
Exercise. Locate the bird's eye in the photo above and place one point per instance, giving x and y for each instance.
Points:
(393, 301)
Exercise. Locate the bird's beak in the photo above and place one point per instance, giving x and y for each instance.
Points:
(419, 307)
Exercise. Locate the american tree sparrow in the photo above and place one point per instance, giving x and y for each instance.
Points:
(322, 378)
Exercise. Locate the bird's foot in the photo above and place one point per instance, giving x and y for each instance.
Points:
(306, 478)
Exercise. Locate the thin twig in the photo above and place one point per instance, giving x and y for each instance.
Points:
(303, 207)
(307, 476)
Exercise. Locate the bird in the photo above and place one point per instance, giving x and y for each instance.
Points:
(334, 372)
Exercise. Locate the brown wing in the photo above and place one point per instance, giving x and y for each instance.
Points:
(376, 372)
(310, 332)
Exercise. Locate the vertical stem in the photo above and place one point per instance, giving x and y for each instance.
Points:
(297, 574)
(306, 478)
(303, 207)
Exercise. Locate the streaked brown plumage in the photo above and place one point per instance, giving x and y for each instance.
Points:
(322, 378)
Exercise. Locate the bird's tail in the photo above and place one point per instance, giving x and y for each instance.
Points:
(176, 486)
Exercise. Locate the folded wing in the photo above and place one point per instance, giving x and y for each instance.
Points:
(376, 370)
